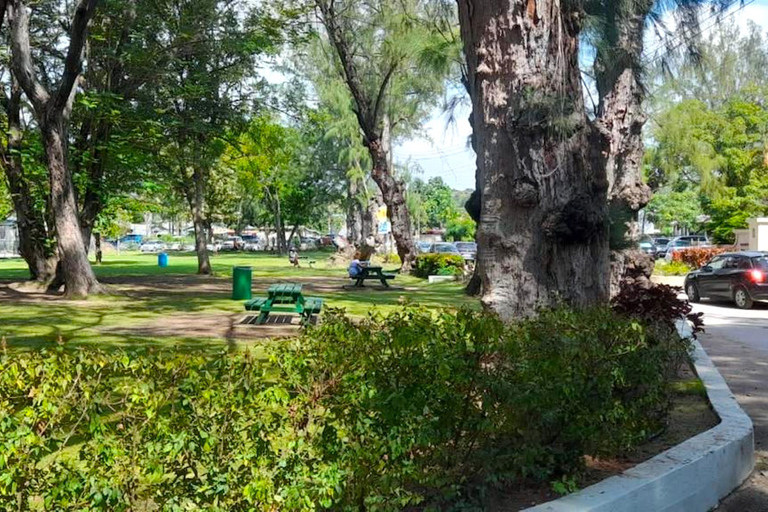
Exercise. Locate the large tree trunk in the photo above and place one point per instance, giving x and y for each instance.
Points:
(474, 205)
(543, 233)
(201, 224)
(34, 240)
(76, 272)
(621, 116)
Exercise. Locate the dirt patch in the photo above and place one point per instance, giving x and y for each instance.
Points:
(690, 415)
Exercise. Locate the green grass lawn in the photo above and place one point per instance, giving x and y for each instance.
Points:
(144, 296)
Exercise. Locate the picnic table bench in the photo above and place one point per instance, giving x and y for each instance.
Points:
(370, 272)
(285, 298)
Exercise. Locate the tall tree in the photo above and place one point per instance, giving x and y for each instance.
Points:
(52, 111)
(376, 46)
(36, 244)
(543, 231)
(203, 92)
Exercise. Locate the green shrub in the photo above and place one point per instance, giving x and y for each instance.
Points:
(376, 415)
(438, 265)
(671, 268)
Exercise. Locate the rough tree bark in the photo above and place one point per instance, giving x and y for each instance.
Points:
(370, 115)
(34, 244)
(621, 115)
(197, 204)
(543, 230)
(52, 113)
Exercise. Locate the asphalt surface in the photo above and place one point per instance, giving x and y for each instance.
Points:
(737, 342)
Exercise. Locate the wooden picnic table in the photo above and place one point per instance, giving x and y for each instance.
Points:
(372, 272)
(285, 298)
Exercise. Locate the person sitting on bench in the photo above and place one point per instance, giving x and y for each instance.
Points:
(355, 268)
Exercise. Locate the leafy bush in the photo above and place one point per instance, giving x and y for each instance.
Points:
(460, 228)
(376, 415)
(696, 257)
(671, 268)
(438, 265)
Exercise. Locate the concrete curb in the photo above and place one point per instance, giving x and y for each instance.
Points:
(691, 477)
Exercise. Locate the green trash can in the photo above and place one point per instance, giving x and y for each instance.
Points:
(241, 283)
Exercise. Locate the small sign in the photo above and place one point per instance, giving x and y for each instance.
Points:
(385, 227)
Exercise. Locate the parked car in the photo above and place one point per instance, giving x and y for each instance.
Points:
(308, 243)
(215, 247)
(444, 248)
(683, 242)
(253, 246)
(739, 276)
(647, 246)
(468, 250)
(661, 246)
(233, 243)
(423, 247)
(153, 246)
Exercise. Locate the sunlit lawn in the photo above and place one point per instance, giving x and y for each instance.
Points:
(134, 301)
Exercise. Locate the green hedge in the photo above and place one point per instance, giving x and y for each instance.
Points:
(379, 414)
(438, 265)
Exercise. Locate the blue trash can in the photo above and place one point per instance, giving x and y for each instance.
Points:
(162, 260)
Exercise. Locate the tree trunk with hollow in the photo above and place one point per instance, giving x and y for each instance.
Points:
(543, 232)
(620, 114)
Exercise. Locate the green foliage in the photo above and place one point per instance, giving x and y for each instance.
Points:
(671, 268)
(380, 414)
(461, 228)
(6, 205)
(668, 209)
(709, 132)
(438, 265)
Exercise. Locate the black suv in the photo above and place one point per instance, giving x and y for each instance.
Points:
(740, 276)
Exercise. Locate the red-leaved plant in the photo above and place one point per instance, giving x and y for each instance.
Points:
(659, 303)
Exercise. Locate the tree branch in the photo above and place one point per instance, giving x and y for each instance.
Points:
(382, 92)
(22, 55)
(73, 63)
(336, 35)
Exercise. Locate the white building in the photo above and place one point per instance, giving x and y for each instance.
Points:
(755, 237)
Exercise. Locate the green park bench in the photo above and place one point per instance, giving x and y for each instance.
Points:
(285, 298)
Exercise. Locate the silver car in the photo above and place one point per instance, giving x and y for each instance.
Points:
(444, 248)
(153, 246)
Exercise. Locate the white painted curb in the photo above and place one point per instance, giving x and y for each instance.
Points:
(690, 477)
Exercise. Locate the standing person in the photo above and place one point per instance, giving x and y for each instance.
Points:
(293, 256)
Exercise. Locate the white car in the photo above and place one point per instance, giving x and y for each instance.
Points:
(153, 246)
(213, 247)
(253, 247)
(233, 243)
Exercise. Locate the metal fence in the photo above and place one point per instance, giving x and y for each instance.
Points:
(9, 241)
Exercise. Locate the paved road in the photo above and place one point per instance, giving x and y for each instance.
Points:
(737, 342)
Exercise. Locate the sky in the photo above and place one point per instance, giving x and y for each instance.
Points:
(444, 151)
